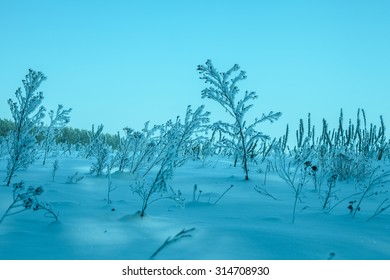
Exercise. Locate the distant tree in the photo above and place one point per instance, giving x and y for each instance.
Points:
(73, 136)
(112, 140)
(223, 89)
(27, 114)
(5, 127)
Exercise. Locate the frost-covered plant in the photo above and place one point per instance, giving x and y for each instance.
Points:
(380, 209)
(377, 179)
(293, 172)
(318, 155)
(350, 165)
(75, 178)
(110, 188)
(219, 198)
(146, 189)
(147, 148)
(187, 134)
(163, 150)
(224, 90)
(194, 192)
(330, 192)
(207, 147)
(264, 191)
(58, 121)
(93, 138)
(197, 193)
(124, 149)
(144, 147)
(99, 149)
(25, 199)
(182, 234)
(152, 155)
(137, 148)
(56, 165)
(27, 114)
(321, 169)
(353, 148)
(153, 178)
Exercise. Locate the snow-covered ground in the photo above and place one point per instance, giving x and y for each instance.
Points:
(243, 224)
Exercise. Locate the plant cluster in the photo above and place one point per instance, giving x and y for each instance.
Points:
(354, 152)
(167, 151)
(351, 154)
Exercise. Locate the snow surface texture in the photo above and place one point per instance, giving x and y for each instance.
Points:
(243, 224)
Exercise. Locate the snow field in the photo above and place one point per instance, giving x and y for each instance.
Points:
(243, 224)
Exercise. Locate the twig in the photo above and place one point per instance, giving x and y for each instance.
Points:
(374, 181)
(223, 194)
(263, 191)
(380, 209)
(47, 207)
(182, 234)
(344, 199)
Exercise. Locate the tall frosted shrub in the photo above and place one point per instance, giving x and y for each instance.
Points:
(27, 114)
(223, 89)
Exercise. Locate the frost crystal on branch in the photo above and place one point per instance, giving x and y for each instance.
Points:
(224, 90)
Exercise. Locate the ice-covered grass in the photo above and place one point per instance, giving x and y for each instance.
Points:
(243, 224)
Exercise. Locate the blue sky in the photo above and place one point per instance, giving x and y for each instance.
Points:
(121, 63)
